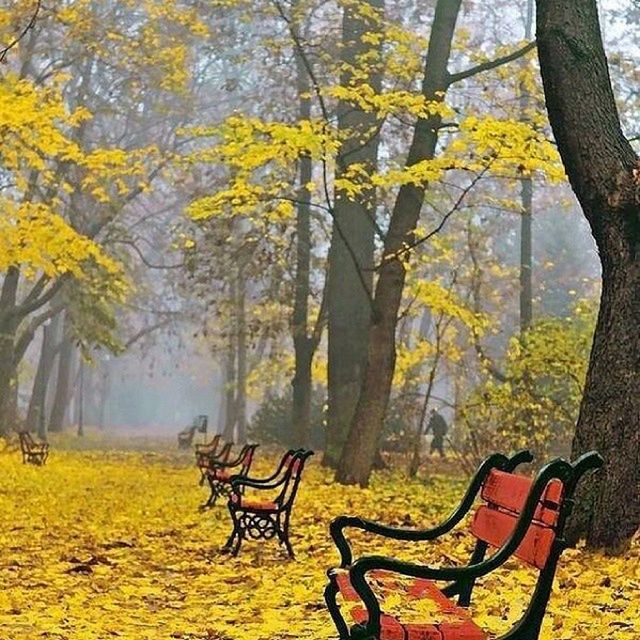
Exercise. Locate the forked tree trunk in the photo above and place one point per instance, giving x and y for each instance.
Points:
(604, 173)
(359, 451)
(352, 243)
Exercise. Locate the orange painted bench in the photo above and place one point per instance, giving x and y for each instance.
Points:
(517, 518)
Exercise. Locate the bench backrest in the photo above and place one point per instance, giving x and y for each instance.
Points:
(26, 441)
(505, 495)
(245, 459)
(293, 474)
(200, 423)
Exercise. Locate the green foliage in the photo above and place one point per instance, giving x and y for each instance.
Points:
(537, 405)
(272, 423)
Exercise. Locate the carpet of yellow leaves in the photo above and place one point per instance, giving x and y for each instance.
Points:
(100, 545)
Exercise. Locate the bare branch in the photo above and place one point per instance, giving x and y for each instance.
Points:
(32, 23)
(491, 64)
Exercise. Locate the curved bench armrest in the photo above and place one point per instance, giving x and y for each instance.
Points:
(338, 526)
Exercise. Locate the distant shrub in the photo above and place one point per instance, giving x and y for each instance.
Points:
(272, 422)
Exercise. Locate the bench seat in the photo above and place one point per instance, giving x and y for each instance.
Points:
(446, 620)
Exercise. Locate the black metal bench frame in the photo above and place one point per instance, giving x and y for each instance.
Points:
(462, 579)
(219, 473)
(269, 519)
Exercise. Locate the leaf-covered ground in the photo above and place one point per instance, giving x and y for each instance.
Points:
(111, 545)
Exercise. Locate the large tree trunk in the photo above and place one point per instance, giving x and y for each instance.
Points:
(352, 243)
(8, 329)
(603, 171)
(62, 393)
(359, 451)
(36, 412)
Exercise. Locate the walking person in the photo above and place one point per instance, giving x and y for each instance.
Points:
(437, 425)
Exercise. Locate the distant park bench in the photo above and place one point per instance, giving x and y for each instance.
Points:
(207, 455)
(32, 452)
(219, 474)
(185, 437)
(521, 518)
(266, 518)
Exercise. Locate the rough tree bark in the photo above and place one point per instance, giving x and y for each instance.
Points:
(604, 172)
(359, 451)
(352, 244)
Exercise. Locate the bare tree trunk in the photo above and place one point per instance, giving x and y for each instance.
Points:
(526, 194)
(302, 342)
(230, 382)
(352, 243)
(603, 171)
(37, 403)
(62, 393)
(241, 342)
(8, 328)
(359, 451)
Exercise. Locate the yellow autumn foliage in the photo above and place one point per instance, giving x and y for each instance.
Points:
(110, 544)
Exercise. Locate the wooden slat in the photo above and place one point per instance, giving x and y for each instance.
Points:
(510, 491)
(495, 527)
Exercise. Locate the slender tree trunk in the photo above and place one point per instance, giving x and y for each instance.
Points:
(80, 397)
(603, 171)
(359, 451)
(302, 342)
(352, 243)
(230, 383)
(241, 342)
(526, 194)
(62, 392)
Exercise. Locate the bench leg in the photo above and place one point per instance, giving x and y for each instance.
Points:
(234, 533)
(213, 497)
(282, 531)
(330, 593)
(239, 538)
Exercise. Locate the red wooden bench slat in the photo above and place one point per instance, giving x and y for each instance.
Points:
(510, 491)
(495, 527)
(462, 628)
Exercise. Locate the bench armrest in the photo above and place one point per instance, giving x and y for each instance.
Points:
(238, 481)
(358, 571)
(338, 526)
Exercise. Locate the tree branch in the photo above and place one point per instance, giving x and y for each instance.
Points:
(491, 64)
(32, 23)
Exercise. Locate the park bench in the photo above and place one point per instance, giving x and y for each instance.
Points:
(32, 452)
(521, 518)
(207, 456)
(219, 474)
(266, 518)
(185, 437)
